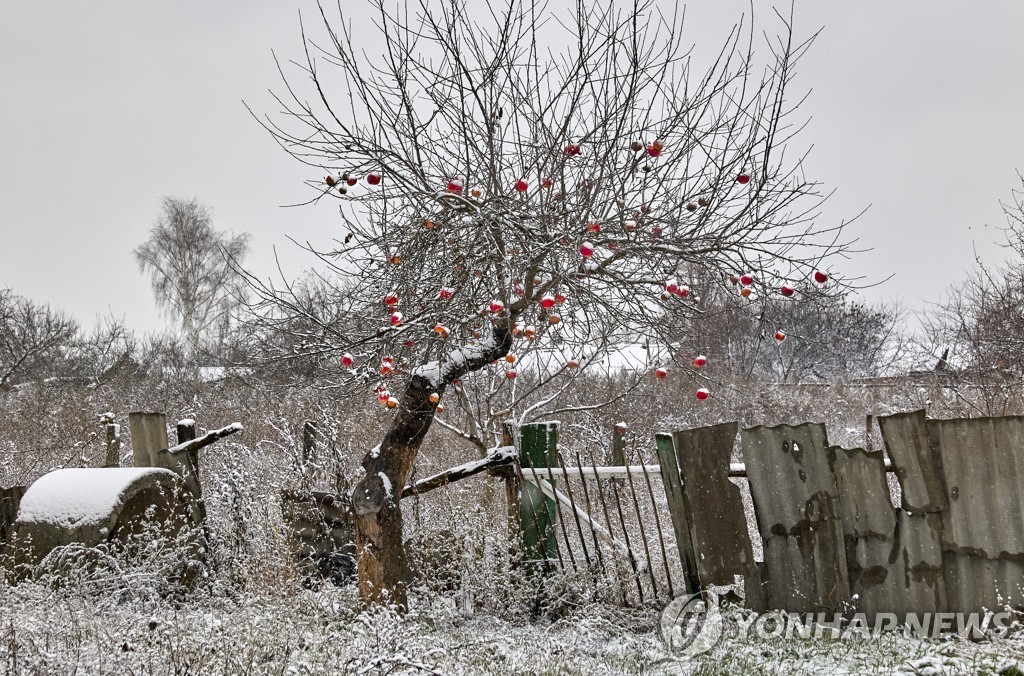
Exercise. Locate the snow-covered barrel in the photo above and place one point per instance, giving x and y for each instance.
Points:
(92, 506)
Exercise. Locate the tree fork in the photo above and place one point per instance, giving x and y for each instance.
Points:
(382, 562)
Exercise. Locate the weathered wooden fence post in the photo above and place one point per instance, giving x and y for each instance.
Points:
(309, 434)
(513, 488)
(10, 499)
(113, 432)
(677, 510)
(150, 444)
(619, 445)
(538, 446)
(186, 431)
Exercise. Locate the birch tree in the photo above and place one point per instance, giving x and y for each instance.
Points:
(193, 268)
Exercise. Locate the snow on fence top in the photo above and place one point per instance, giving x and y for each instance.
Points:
(76, 497)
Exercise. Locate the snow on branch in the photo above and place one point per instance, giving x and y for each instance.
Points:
(206, 439)
(498, 456)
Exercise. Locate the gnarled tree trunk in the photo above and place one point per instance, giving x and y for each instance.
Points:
(383, 569)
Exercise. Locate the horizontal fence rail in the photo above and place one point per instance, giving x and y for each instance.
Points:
(736, 469)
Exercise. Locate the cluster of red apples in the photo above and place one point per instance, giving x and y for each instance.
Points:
(671, 288)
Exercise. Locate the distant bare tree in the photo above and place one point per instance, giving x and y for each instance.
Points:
(825, 334)
(193, 268)
(977, 331)
(31, 336)
(108, 351)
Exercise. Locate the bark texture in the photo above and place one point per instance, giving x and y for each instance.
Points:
(383, 566)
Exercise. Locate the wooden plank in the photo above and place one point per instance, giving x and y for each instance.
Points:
(497, 457)
(677, 511)
(714, 505)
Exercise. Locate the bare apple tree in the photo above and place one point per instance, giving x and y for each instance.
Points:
(499, 195)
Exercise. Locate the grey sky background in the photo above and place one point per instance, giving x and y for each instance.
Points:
(916, 107)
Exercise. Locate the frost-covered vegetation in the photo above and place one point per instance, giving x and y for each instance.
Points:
(298, 631)
(471, 612)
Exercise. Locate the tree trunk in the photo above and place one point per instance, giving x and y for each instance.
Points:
(383, 569)
(382, 563)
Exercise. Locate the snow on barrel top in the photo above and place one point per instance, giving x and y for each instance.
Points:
(80, 496)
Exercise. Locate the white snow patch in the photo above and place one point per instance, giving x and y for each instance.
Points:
(77, 496)
(462, 356)
(375, 451)
(388, 492)
(431, 371)
(211, 374)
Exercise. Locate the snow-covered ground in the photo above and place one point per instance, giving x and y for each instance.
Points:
(43, 630)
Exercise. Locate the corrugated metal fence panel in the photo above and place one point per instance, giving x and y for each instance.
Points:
(983, 530)
(917, 568)
(909, 445)
(797, 505)
(869, 525)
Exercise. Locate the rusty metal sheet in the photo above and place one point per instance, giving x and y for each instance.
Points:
(798, 514)
(713, 503)
(909, 444)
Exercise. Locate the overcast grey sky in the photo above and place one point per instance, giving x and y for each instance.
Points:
(110, 105)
